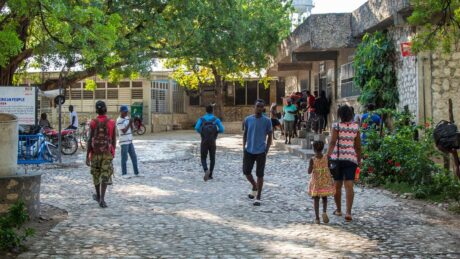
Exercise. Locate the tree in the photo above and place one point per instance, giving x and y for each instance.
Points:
(229, 39)
(84, 38)
(439, 24)
(375, 72)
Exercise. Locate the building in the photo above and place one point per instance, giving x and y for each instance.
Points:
(318, 55)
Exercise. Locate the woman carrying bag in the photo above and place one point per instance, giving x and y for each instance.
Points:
(345, 155)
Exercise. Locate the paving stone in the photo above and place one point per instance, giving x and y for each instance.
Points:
(170, 212)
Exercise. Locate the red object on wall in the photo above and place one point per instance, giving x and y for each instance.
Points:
(406, 49)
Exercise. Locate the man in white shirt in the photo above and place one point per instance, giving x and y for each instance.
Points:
(73, 118)
(124, 127)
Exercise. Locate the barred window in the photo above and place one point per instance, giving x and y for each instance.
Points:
(347, 86)
(124, 84)
(264, 93)
(75, 94)
(112, 85)
(240, 94)
(178, 98)
(112, 94)
(159, 96)
(137, 94)
(88, 95)
(67, 93)
(100, 85)
(100, 94)
(136, 84)
(76, 85)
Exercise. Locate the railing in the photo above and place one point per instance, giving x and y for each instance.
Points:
(32, 150)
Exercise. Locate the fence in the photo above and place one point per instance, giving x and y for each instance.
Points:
(32, 150)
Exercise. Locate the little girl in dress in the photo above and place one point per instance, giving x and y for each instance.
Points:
(321, 182)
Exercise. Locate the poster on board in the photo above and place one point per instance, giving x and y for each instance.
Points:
(20, 101)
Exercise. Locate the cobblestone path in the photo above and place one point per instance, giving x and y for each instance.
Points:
(171, 212)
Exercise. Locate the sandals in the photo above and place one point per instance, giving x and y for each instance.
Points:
(256, 203)
(95, 197)
(348, 218)
(325, 218)
(102, 204)
(337, 213)
(252, 195)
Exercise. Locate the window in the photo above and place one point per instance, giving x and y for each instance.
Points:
(264, 93)
(178, 98)
(112, 94)
(136, 84)
(124, 84)
(112, 85)
(76, 85)
(229, 93)
(88, 95)
(347, 86)
(67, 93)
(137, 94)
(280, 91)
(75, 94)
(100, 85)
(100, 94)
(251, 92)
(240, 94)
(160, 96)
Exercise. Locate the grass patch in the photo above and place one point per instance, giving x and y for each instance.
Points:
(399, 187)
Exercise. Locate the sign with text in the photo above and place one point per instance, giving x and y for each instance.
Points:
(20, 101)
(406, 49)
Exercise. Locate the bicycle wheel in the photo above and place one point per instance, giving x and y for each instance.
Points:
(69, 145)
(141, 130)
(83, 139)
(50, 153)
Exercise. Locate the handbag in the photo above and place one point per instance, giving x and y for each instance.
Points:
(334, 164)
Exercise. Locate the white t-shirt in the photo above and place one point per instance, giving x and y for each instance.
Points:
(124, 138)
(74, 114)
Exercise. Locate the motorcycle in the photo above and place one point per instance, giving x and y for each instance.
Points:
(69, 144)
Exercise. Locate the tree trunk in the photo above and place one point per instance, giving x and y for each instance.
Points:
(219, 94)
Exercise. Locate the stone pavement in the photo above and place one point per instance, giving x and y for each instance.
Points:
(171, 212)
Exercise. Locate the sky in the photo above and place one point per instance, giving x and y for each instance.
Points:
(336, 6)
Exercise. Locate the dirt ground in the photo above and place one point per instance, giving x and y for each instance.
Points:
(50, 216)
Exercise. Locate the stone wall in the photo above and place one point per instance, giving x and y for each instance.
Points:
(406, 70)
(445, 74)
(21, 187)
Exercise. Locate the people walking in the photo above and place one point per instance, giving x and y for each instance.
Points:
(257, 139)
(125, 139)
(209, 126)
(289, 118)
(73, 118)
(100, 152)
(311, 111)
(274, 117)
(321, 110)
(345, 149)
(321, 184)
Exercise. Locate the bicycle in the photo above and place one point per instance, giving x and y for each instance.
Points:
(138, 126)
(82, 134)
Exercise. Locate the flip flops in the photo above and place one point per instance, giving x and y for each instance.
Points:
(337, 213)
(252, 195)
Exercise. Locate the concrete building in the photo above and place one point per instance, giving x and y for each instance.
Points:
(318, 56)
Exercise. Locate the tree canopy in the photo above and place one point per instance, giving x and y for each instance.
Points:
(229, 39)
(439, 23)
(83, 38)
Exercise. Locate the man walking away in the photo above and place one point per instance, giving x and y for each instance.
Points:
(100, 152)
(321, 109)
(209, 126)
(125, 127)
(73, 118)
(257, 139)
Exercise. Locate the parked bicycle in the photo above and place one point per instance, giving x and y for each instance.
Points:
(82, 134)
(138, 125)
(35, 149)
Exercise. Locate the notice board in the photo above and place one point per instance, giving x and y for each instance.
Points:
(20, 101)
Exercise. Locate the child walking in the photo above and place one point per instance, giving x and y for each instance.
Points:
(321, 183)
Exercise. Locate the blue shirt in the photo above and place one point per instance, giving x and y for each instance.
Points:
(289, 116)
(257, 130)
(208, 117)
(373, 120)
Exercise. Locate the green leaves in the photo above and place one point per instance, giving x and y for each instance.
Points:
(11, 227)
(438, 24)
(375, 72)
